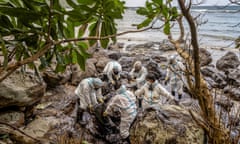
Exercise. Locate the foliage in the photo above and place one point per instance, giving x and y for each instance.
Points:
(158, 9)
(27, 26)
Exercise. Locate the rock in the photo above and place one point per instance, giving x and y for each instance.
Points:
(234, 77)
(153, 67)
(218, 77)
(169, 125)
(130, 47)
(40, 126)
(114, 55)
(205, 57)
(127, 63)
(17, 90)
(78, 74)
(233, 92)
(115, 46)
(102, 62)
(158, 58)
(145, 45)
(228, 61)
(14, 118)
(53, 79)
(165, 45)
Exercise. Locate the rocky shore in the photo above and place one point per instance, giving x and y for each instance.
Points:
(45, 112)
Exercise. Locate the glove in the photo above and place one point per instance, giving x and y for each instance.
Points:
(113, 82)
(176, 102)
(105, 114)
(101, 100)
(90, 108)
(165, 82)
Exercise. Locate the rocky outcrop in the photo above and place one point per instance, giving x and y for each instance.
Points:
(21, 91)
(53, 79)
(205, 57)
(15, 118)
(168, 125)
(234, 77)
(228, 61)
(233, 92)
(166, 45)
(78, 74)
(127, 63)
(218, 77)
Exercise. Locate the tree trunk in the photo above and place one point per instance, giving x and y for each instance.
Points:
(216, 132)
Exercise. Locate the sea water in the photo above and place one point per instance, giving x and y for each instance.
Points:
(219, 27)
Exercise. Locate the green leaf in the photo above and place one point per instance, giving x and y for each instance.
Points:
(74, 56)
(82, 30)
(174, 13)
(142, 11)
(165, 11)
(69, 30)
(20, 13)
(159, 2)
(86, 2)
(43, 64)
(71, 3)
(166, 29)
(68, 59)
(104, 42)
(93, 32)
(5, 22)
(5, 53)
(60, 67)
(145, 23)
(81, 61)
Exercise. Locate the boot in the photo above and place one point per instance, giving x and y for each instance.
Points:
(127, 140)
(179, 96)
(80, 118)
(173, 93)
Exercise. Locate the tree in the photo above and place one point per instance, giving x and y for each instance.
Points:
(163, 10)
(32, 30)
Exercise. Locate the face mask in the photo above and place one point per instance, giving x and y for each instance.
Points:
(115, 72)
(150, 87)
(96, 89)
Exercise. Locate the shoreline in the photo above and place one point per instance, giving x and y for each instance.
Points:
(216, 51)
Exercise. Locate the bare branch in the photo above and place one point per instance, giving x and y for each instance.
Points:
(105, 37)
(194, 42)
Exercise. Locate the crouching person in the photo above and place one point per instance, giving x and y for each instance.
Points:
(125, 101)
(138, 74)
(152, 93)
(89, 94)
(112, 70)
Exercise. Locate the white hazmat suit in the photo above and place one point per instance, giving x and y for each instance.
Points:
(109, 71)
(125, 101)
(174, 76)
(89, 92)
(139, 75)
(153, 96)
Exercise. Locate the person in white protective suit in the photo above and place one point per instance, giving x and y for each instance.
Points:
(153, 93)
(125, 101)
(138, 74)
(89, 94)
(174, 76)
(112, 70)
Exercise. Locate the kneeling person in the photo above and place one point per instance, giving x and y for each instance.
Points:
(126, 102)
(153, 93)
(89, 94)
